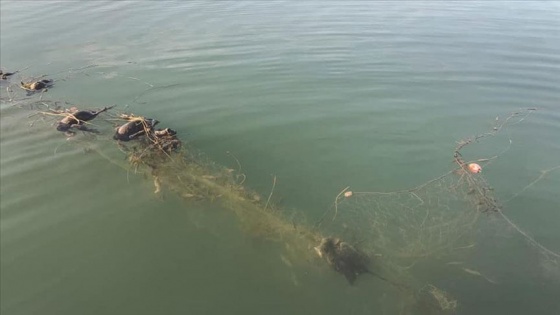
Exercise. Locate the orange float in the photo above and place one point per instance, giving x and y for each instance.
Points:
(474, 168)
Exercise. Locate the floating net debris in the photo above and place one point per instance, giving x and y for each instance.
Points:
(436, 218)
(411, 224)
(395, 229)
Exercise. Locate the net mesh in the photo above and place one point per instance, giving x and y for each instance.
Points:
(429, 220)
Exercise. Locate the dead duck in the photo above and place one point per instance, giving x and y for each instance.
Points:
(134, 129)
(36, 85)
(5, 75)
(167, 132)
(349, 261)
(78, 117)
(167, 139)
(343, 258)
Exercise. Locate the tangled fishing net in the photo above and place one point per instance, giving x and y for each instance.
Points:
(414, 223)
(430, 220)
(397, 229)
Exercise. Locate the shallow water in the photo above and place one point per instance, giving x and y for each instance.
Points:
(320, 95)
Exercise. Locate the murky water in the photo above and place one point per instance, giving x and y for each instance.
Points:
(320, 96)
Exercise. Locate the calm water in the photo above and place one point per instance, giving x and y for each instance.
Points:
(320, 95)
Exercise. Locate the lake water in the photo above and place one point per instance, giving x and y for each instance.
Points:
(317, 95)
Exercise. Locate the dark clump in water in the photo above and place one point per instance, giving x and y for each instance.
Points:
(344, 258)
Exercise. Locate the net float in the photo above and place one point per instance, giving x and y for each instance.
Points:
(474, 168)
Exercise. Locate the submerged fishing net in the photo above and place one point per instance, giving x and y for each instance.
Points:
(193, 177)
(415, 223)
(436, 218)
(396, 229)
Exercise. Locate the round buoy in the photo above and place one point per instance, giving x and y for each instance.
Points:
(474, 168)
